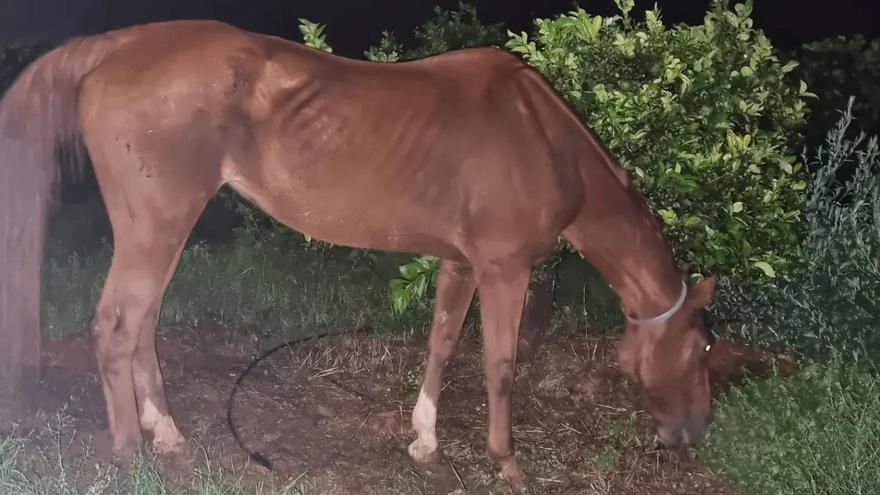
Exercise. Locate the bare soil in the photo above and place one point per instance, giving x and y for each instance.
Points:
(336, 412)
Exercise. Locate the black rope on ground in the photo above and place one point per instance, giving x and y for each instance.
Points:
(253, 455)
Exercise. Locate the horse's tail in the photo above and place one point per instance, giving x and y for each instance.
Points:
(37, 114)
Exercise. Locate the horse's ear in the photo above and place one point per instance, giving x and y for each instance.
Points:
(702, 292)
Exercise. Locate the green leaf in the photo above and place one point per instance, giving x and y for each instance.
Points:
(799, 185)
(625, 6)
(692, 221)
(668, 216)
(593, 26)
(652, 19)
(409, 271)
(766, 268)
(736, 207)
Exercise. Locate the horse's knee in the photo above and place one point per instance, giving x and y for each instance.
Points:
(104, 322)
(113, 342)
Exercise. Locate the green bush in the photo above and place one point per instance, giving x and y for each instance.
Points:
(835, 69)
(815, 433)
(705, 116)
(452, 30)
(447, 30)
(833, 301)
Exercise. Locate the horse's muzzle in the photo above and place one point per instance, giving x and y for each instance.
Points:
(687, 432)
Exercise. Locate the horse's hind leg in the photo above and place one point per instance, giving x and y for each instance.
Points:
(455, 291)
(151, 221)
(153, 410)
(124, 329)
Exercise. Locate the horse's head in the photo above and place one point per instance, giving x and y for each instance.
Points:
(668, 356)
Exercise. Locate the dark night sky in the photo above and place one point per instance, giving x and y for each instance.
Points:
(355, 24)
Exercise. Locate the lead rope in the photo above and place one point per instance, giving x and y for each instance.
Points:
(256, 456)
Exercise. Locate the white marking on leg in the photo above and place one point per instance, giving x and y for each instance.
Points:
(424, 421)
(166, 436)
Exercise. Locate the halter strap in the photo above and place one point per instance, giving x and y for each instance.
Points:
(666, 315)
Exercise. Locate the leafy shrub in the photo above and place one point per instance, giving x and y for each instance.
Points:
(313, 35)
(447, 30)
(815, 433)
(833, 302)
(703, 115)
(452, 30)
(835, 69)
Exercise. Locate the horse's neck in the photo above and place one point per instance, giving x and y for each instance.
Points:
(644, 277)
(627, 246)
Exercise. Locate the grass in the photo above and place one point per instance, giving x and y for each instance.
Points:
(566, 442)
(54, 461)
(817, 432)
(277, 289)
(273, 290)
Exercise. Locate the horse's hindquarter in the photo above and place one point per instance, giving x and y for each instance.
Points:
(161, 113)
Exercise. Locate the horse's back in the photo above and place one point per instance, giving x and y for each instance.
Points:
(440, 147)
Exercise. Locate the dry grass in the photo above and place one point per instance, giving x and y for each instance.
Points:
(333, 416)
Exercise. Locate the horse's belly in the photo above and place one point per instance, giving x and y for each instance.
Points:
(354, 217)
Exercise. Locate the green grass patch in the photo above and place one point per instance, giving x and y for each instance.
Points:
(273, 289)
(53, 461)
(817, 432)
(277, 288)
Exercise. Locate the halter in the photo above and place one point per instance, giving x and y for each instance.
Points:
(666, 315)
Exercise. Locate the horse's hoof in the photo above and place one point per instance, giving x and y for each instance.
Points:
(125, 454)
(177, 446)
(167, 439)
(422, 452)
(510, 470)
(513, 474)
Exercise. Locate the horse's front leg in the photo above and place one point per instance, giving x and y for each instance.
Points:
(502, 288)
(455, 291)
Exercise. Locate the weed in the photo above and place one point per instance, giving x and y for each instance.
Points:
(816, 432)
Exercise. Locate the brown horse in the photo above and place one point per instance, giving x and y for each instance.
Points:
(469, 156)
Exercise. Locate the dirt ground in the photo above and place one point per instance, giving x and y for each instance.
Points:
(336, 412)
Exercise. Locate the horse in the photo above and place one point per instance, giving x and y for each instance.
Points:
(470, 156)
